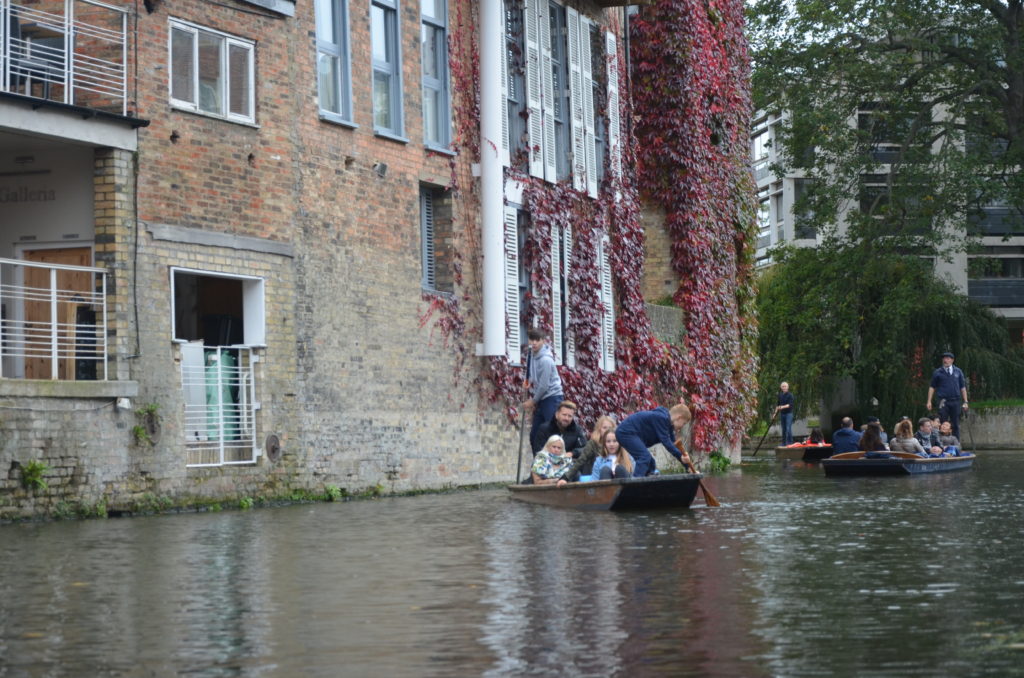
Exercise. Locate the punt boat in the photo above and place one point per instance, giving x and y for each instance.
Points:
(900, 463)
(652, 492)
(803, 452)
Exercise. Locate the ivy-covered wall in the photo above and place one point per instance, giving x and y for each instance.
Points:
(685, 129)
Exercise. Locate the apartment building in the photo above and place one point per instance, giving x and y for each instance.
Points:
(991, 274)
(227, 228)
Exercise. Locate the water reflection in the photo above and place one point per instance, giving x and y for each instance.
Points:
(796, 575)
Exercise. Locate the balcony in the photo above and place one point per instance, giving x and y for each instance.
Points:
(71, 52)
(1007, 293)
(52, 320)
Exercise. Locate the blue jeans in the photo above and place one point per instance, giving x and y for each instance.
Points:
(643, 462)
(542, 413)
(786, 422)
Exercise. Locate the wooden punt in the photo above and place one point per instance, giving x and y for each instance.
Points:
(652, 492)
(902, 463)
(803, 452)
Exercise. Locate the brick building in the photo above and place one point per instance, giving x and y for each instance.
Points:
(238, 213)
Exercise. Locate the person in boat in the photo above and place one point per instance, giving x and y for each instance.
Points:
(928, 438)
(564, 424)
(845, 439)
(583, 463)
(946, 438)
(612, 461)
(874, 420)
(551, 463)
(784, 408)
(643, 429)
(950, 386)
(816, 437)
(903, 439)
(871, 443)
(545, 386)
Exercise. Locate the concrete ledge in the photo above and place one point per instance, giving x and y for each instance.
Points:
(42, 388)
(195, 236)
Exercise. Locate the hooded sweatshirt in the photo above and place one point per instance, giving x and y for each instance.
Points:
(543, 375)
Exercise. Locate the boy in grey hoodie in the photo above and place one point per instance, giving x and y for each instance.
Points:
(544, 383)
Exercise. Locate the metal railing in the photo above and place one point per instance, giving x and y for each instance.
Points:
(69, 51)
(53, 321)
(220, 407)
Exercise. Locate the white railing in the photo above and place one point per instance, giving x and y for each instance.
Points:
(53, 321)
(220, 406)
(69, 51)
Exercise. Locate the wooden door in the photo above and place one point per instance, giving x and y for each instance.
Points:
(38, 307)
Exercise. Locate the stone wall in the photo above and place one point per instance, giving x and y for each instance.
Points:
(997, 428)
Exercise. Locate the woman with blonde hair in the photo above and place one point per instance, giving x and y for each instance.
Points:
(583, 463)
(551, 463)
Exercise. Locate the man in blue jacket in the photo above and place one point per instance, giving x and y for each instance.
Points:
(845, 439)
(949, 384)
(640, 430)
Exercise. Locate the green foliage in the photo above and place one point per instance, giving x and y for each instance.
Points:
(147, 410)
(923, 96)
(32, 475)
(334, 493)
(245, 503)
(141, 435)
(718, 463)
(880, 319)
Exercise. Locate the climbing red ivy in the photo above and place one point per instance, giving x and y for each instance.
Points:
(686, 152)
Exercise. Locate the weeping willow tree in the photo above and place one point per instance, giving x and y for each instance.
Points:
(863, 314)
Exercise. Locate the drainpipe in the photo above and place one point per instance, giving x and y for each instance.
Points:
(492, 191)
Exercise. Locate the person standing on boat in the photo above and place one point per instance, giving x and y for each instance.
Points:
(545, 386)
(643, 429)
(784, 408)
(845, 439)
(949, 385)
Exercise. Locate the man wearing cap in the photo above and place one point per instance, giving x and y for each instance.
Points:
(949, 385)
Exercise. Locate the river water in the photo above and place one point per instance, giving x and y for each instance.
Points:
(795, 575)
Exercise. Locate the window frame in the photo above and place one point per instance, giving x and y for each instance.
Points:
(342, 51)
(392, 67)
(226, 42)
(561, 105)
(440, 85)
(253, 304)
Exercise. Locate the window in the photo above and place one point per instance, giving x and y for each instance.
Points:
(434, 53)
(212, 73)
(218, 319)
(759, 153)
(559, 107)
(334, 82)
(436, 237)
(515, 151)
(387, 68)
(515, 277)
(597, 103)
(562, 339)
(803, 217)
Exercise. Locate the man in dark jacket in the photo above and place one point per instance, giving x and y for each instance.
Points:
(845, 439)
(564, 424)
(641, 430)
(949, 385)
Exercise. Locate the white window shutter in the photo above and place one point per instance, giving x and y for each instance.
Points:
(608, 304)
(589, 138)
(535, 123)
(547, 92)
(556, 293)
(570, 339)
(579, 154)
(505, 142)
(614, 141)
(513, 342)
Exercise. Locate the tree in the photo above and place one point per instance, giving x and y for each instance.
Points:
(847, 313)
(911, 111)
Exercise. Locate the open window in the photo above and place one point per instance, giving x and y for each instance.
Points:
(217, 309)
